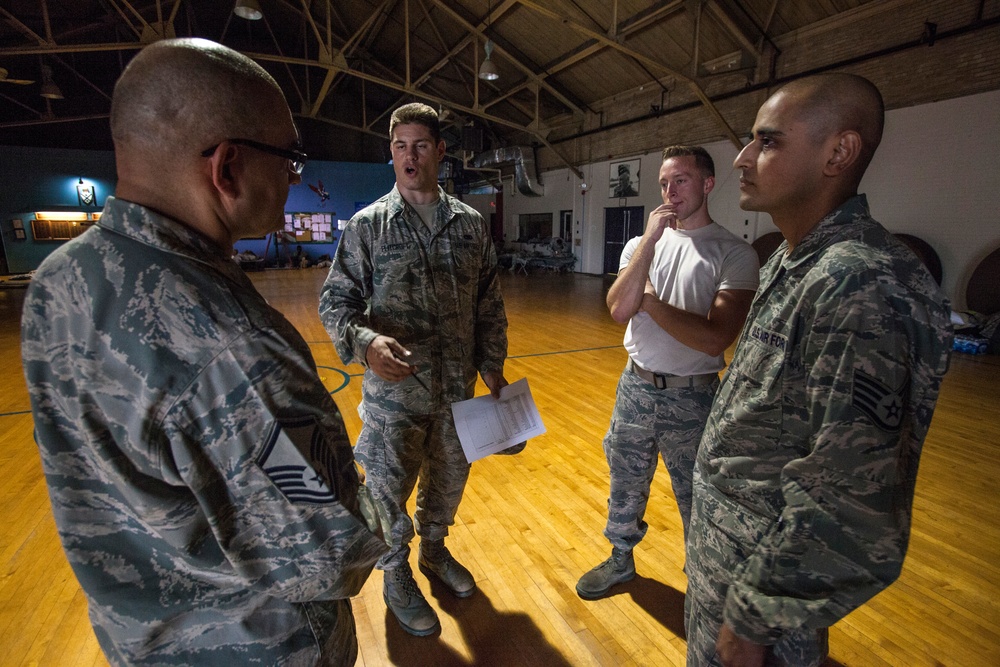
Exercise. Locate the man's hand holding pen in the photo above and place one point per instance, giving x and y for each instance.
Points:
(385, 357)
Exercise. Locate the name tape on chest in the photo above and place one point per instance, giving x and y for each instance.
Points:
(769, 338)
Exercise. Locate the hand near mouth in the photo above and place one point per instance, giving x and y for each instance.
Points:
(660, 218)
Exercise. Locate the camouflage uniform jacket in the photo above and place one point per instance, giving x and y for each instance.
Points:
(434, 289)
(808, 461)
(199, 472)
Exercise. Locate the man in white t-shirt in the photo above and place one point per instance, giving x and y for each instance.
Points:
(685, 288)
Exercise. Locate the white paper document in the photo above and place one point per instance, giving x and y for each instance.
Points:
(486, 425)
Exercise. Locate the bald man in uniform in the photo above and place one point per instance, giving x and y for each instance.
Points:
(803, 485)
(200, 475)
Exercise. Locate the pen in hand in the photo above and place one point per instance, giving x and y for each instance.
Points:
(414, 371)
(422, 383)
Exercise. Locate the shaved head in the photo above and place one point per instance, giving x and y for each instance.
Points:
(834, 103)
(174, 108)
(180, 96)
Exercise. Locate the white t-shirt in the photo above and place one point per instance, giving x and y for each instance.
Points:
(426, 213)
(689, 267)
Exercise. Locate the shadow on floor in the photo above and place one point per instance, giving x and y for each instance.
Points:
(495, 638)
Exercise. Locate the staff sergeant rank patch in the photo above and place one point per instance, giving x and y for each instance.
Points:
(883, 405)
(299, 479)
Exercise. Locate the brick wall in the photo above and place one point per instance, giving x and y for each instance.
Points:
(963, 60)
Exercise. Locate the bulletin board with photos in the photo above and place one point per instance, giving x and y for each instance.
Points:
(311, 227)
(58, 226)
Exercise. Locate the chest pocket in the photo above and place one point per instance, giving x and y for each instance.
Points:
(459, 255)
(753, 399)
(398, 262)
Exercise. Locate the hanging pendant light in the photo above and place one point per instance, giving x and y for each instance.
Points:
(488, 70)
(49, 89)
(248, 9)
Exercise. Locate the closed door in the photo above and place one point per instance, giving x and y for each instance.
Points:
(4, 270)
(620, 224)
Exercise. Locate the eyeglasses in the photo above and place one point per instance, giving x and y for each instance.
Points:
(296, 158)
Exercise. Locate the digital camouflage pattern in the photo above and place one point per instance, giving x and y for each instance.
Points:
(199, 472)
(434, 288)
(647, 421)
(393, 450)
(804, 480)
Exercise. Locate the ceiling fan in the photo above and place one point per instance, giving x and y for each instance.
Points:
(4, 79)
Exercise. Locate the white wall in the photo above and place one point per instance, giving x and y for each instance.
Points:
(563, 191)
(936, 175)
(482, 203)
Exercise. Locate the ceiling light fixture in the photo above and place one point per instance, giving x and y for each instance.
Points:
(248, 9)
(488, 70)
(49, 90)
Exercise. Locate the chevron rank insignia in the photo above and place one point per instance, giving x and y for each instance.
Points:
(302, 479)
(884, 406)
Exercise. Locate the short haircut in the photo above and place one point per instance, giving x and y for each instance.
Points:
(418, 113)
(178, 96)
(702, 159)
(835, 102)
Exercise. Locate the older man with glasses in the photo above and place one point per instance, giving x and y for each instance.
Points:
(200, 475)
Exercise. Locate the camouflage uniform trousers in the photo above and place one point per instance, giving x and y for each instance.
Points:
(394, 450)
(647, 421)
(713, 555)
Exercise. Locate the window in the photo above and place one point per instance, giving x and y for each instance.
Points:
(534, 227)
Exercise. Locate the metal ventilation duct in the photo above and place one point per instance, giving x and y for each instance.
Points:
(523, 159)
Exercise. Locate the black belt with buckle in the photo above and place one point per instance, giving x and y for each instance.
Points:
(661, 381)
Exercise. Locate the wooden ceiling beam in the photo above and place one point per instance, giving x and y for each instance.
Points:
(17, 25)
(645, 60)
(721, 15)
(527, 71)
(633, 24)
(339, 59)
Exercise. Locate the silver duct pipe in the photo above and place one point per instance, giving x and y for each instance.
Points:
(523, 159)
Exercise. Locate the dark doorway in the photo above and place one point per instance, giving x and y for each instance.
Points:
(4, 269)
(566, 225)
(620, 225)
(496, 220)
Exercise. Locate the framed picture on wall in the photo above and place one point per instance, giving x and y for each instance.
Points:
(17, 223)
(86, 193)
(624, 179)
(19, 234)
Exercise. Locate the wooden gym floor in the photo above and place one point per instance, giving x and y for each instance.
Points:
(531, 524)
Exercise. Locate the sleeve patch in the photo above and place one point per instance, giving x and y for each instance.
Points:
(302, 480)
(884, 406)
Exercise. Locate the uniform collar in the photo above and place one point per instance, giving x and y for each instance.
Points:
(827, 230)
(397, 204)
(162, 233)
